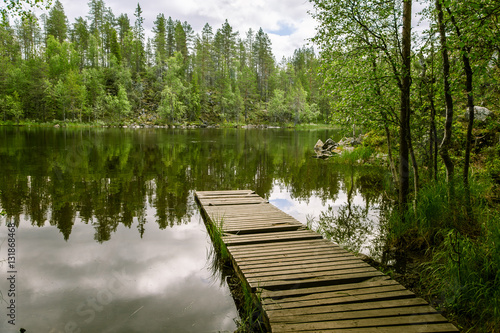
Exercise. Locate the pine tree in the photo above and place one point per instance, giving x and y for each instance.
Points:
(57, 25)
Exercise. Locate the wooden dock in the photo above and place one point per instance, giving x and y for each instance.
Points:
(306, 283)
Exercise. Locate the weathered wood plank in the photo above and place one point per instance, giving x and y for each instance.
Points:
(307, 246)
(366, 292)
(307, 281)
(222, 193)
(297, 262)
(337, 300)
(302, 275)
(345, 307)
(260, 230)
(304, 268)
(287, 260)
(269, 237)
(422, 328)
(376, 282)
(227, 202)
(361, 314)
(422, 320)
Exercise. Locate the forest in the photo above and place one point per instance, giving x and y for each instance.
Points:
(102, 68)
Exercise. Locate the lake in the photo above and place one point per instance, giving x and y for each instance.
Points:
(108, 237)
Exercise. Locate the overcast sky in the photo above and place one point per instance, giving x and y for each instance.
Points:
(287, 22)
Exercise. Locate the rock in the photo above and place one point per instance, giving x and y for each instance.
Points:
(57, 126)
(319, 144)
(480, 113)
(329, 145)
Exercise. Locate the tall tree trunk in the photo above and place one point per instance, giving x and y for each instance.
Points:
(433, 145)
(386, 128)
(445, 144)
(468, 144)
(404, 117)
(470, 105)
(433, 135)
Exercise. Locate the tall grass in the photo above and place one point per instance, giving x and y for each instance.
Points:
(434, 211)
(247, 303)
(215, 231)
(462, 274)
(360, 154)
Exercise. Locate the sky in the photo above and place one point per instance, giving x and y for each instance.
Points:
(287, 22)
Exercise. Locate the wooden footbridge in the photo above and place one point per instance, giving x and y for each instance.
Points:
(306, 283)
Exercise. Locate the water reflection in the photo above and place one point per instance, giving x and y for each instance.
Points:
(160, 284)
(349, 215)
(107, 221)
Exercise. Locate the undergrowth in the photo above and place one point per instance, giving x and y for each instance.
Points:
(461, 272)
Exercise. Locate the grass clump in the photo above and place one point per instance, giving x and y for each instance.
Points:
(247, 303)
(358, 155)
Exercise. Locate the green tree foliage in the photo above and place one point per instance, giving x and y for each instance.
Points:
(80, 71)
(174, 97)
(56, 25)
(22, 8)
(13, 106)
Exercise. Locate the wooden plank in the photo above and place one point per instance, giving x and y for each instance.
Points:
(301, 275)
(337, 300)
(422, 319)
(308, 252)
(305, 268)
(261, 230)
(305, 281)
(376, 282)
(270, 237)
(361, 314)
(222, 202)
(288, 260)
(265, 219)
(277, 265)
(222, 193)
(305, 246)
(345, 307)
(424, 328)
(296, 244)
(366, 292)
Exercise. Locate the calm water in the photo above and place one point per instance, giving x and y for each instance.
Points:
(109, 238)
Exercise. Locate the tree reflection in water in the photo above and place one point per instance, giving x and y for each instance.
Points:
(349, 226)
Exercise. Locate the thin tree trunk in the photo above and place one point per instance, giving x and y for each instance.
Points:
(414, 166)
(404, 118)
(445, 144)
(389, 154)
(470, 105)
(433, 135)
(387, 131)
(433, 146)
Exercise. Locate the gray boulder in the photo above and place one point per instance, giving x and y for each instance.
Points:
(480, 113)
(330, 145)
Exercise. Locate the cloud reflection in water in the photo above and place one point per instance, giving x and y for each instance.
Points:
(160, 283)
